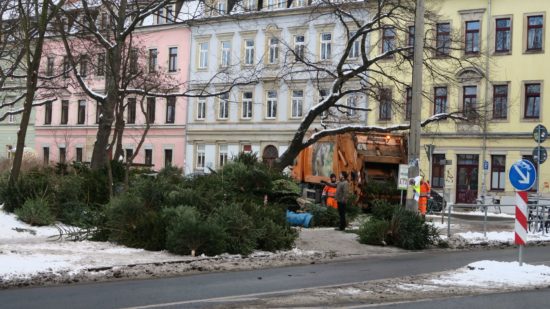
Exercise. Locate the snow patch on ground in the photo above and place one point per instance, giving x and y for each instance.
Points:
(502, 237)
(494, 273)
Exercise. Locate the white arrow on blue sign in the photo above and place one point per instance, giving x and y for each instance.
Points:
(523, 175)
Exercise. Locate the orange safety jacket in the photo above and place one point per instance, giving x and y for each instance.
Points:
(330, 193)
(423, 200)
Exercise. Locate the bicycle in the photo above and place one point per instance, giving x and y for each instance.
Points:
(538, 220)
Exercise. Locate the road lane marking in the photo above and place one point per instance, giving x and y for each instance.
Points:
(239, 297)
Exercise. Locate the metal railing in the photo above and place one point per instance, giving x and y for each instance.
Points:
(538, 216)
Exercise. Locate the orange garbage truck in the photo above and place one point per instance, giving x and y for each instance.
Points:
(366, 157)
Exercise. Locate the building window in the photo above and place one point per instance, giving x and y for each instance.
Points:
(153, 60)
(351, 103)
(62, 154)
(299, 3)
(250, 5)
(326, 46)
(78, 154)
(170, 109)
(249, 52)
(66, 67)
(385, 105)
(498, 172)
(100, 70)
(149, 156)
(472, 37)
(271, 110)
(200, 157)
(83, 66)
(500, 101)
(201, 109)
(273, 50)
(247, 105)
(223, 106)
(532, 101)
(299, 47)
(443, 39)
(203, 55)
(503, 35)
(11, 115)
(167, 157)
(408, 103)
(534, 32)
(355, 47)
(170, 18)
(438, 171)
(64, 112)
(46, 155)
(226, 54)
(297, 103)
(159, 17)
(440, 100)
(131, 110)
(388, 39)
(247, 148)
(81, 117)
(129, 152)
(48, 113)
(49, 66)
(151, 107)
(97, 112)
(223, 155)
(221, 7)
(410, 41)
(469, 101)
(172, 59)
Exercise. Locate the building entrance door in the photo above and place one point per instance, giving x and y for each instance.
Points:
(467, 171)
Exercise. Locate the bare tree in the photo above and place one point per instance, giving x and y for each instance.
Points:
(110, 26)
(377, 35)
(24, 27)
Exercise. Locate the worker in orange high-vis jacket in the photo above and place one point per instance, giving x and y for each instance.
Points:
(424, 195)
(329, 192)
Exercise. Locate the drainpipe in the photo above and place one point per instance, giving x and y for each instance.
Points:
(485, 108)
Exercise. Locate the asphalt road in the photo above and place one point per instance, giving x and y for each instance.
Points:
(194, 290)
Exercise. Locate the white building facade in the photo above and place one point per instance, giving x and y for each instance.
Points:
(261, 47)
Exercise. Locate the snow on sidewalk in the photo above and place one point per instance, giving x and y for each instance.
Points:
(500, 237)
(497, 274)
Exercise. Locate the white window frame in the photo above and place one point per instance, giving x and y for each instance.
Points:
(273, 50)
(355, 48)
(223, 155)
(201, 109)
(325, 46)
(300, 46)
(225, 60)
(221, 7)
(351, 101)
(249, 52)
(247, 105)
(223, 106)
(200, 157)
(297, 102)
(271, 104)
(203, 55)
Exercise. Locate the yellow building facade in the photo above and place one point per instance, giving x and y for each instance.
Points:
(503, 82)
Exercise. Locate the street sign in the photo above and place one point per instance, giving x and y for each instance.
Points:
(522, 175)
(543, 154)
(403, 179)
(485, 165)
(540, 137)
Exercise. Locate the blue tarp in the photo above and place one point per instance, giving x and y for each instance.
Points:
(298, 219)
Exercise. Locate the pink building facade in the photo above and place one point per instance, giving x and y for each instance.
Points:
(66, 130)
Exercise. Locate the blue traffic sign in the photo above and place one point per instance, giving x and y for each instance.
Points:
(523, 175)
